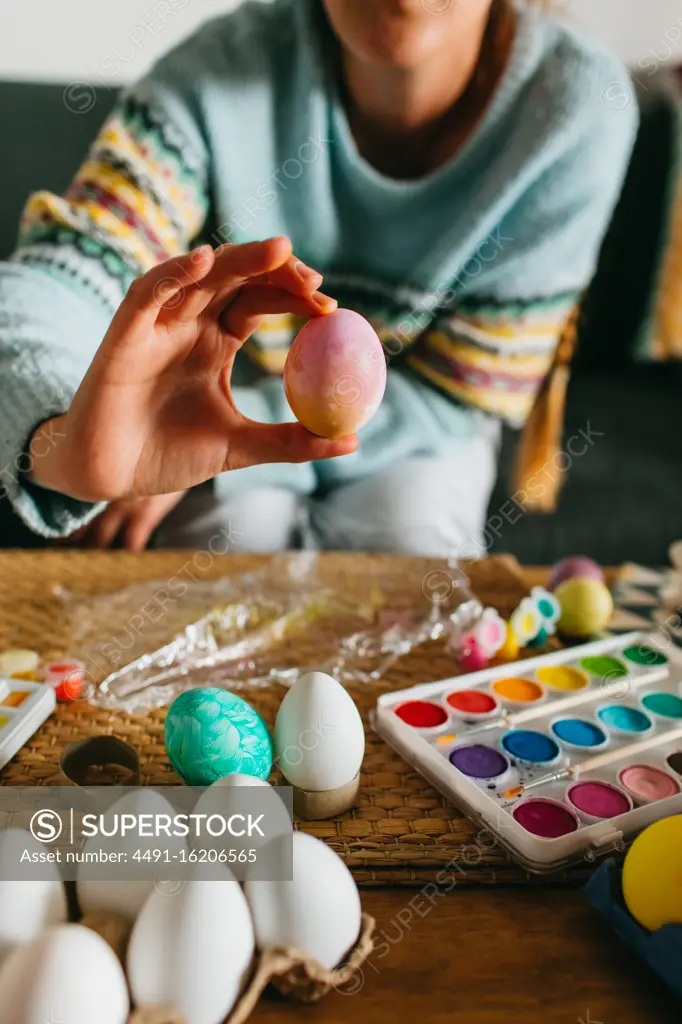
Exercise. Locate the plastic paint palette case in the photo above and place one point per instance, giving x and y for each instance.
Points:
(24, 706)
(561, 756)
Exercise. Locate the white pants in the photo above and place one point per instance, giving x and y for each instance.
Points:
(433, 505)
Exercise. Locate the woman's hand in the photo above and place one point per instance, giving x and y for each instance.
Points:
(154, 413)
(130, 522)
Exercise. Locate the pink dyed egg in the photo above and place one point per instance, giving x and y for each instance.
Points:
(335, 374)
(576, 567)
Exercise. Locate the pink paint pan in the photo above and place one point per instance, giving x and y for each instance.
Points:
(647, 784)
(595, 800)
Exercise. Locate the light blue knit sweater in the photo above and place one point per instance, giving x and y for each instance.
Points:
(468, 274)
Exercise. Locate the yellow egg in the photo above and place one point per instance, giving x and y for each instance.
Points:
(586, 607)
(510, 648)
(652, 875)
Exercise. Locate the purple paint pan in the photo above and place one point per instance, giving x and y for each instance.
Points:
(480, 762)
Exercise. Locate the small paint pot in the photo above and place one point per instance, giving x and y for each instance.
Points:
(472, 657)
(563, 678)
(662, 706)
(604, 667)
(531, 747)
(644, 656)
(546, 818)
(517, 691)
(472, 705)
(66, 677)
(424, 715)
(625, 720)
(481, 763)
(18, 661)
(579, 734)
(595, 800)
(647, 784)
(674, 762)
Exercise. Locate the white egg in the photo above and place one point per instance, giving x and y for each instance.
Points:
(26, 908)
(98, 895)
(318, 912)
(319, 737)
(277, 819)
(192, 950)
(208, 800)
(67, 974)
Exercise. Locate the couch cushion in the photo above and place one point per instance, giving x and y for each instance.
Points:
(46, 131)
(623, 497)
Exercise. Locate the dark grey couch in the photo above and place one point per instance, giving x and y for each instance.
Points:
(623, 497)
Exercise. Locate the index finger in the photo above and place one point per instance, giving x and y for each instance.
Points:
(203, 273)
(235, 264)
(293, 276)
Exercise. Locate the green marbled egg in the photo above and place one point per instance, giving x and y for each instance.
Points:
(211, 733)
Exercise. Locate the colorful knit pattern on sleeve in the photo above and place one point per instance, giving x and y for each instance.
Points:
(139, 199)
(493, 357)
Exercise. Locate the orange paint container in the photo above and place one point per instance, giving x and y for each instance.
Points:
(517, 691)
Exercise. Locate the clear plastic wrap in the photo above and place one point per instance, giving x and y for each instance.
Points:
(149, 642)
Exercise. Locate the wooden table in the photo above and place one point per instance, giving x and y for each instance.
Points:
(498, 955)
(489, 955)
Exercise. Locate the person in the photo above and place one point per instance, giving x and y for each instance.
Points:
(448, 168)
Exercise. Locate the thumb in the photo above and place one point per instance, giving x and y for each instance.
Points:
(258, 443)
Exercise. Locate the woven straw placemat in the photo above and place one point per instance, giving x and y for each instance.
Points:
(401, 832)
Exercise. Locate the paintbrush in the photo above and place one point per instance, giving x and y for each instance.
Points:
(504, 720)
(598, 761)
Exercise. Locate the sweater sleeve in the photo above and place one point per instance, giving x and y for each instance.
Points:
(493, 340)
(140, 197)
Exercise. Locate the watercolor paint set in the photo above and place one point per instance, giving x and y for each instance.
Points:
(563, 756)
(24, 706)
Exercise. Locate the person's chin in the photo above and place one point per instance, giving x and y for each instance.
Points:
(400, 52)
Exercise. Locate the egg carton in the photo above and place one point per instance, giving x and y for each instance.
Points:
(293, 973)
(662, 950)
